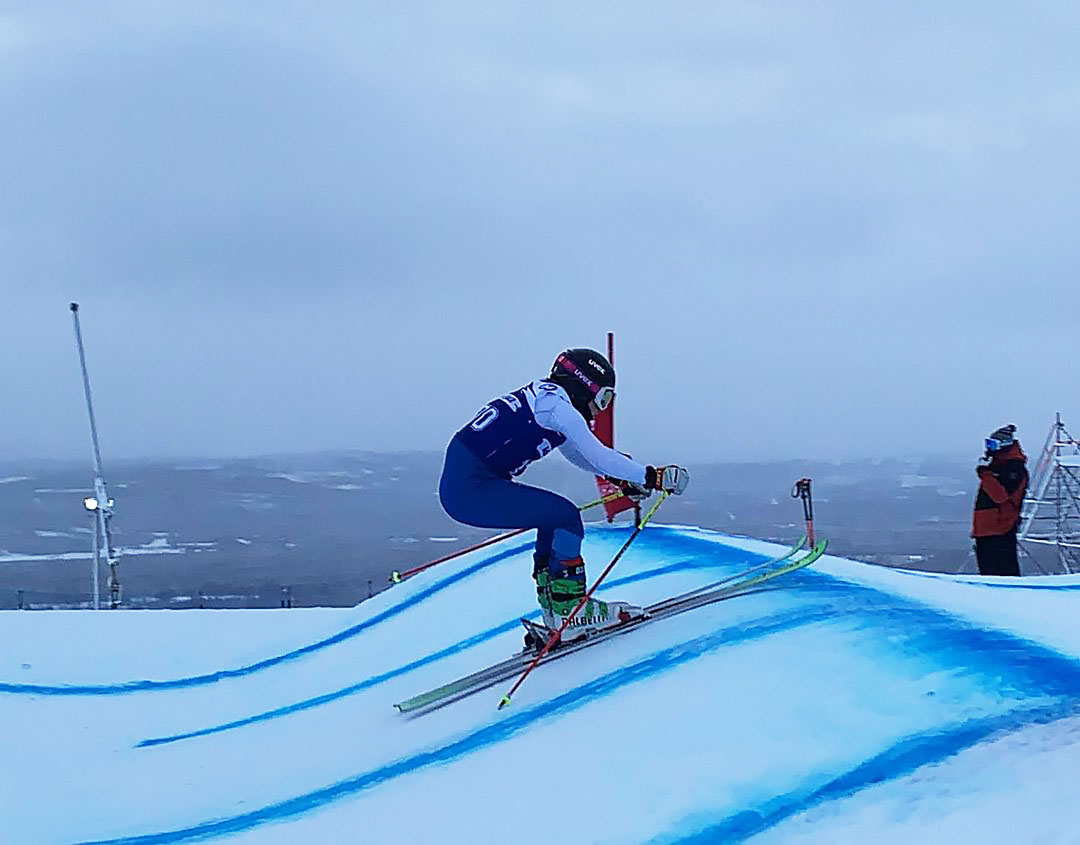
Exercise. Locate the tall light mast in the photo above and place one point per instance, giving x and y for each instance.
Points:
(99, 505)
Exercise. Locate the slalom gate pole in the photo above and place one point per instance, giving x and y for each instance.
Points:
(801, 490)
(554, 638)
(397, 577)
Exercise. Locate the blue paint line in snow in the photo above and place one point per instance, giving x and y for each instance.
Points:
(1007, 661)
(462, 645)
(213, 677)
(906, 756)
(1011, 664)
(348, 633)
(667, 569)
(498, 731)
(1028, 663)
(326, 698)
(931, 630)
(990, 652)
(689, 533)
(676, 538)
(855, 597)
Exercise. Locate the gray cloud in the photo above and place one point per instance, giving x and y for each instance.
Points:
(829, 231)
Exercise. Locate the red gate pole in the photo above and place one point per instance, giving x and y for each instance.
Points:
(604, 429)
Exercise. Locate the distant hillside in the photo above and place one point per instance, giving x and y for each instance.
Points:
(328, 528)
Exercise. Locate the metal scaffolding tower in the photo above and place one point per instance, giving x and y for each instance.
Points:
(1050, 520)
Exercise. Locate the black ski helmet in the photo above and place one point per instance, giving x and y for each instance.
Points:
(586, 376)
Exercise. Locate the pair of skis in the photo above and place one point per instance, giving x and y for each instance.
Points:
(733, 585)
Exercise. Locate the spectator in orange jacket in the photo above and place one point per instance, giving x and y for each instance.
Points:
(1003, 480)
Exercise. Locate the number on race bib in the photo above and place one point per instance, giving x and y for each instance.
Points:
(485, 418)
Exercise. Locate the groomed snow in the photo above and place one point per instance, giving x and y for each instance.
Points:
(848, 703)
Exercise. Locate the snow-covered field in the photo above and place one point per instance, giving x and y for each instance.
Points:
(848, 703)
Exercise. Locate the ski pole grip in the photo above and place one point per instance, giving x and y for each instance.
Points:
(801, 490)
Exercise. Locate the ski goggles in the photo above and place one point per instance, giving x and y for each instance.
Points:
(602, 397)
(995, 445)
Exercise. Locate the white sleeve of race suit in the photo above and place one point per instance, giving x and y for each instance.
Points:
(575, 457)
(553, 411)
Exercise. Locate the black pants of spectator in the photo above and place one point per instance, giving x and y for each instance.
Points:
(997, 555)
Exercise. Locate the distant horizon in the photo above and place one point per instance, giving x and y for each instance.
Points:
(195, 459)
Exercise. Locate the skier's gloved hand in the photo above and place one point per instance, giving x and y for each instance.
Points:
(634, 492)
(670, 479)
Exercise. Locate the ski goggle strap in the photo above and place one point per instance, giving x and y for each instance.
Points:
(995, 445)
(602, 397)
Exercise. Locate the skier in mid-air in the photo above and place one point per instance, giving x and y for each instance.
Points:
(512, 431)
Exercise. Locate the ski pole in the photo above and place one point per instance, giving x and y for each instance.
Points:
(397, 577)
(554, 638)
(801, 490)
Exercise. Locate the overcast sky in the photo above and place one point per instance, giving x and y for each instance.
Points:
(825, 230)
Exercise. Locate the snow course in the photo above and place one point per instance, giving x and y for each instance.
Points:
(844, 702)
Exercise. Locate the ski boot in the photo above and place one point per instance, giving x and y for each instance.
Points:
(565, 585)
(537, 633)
